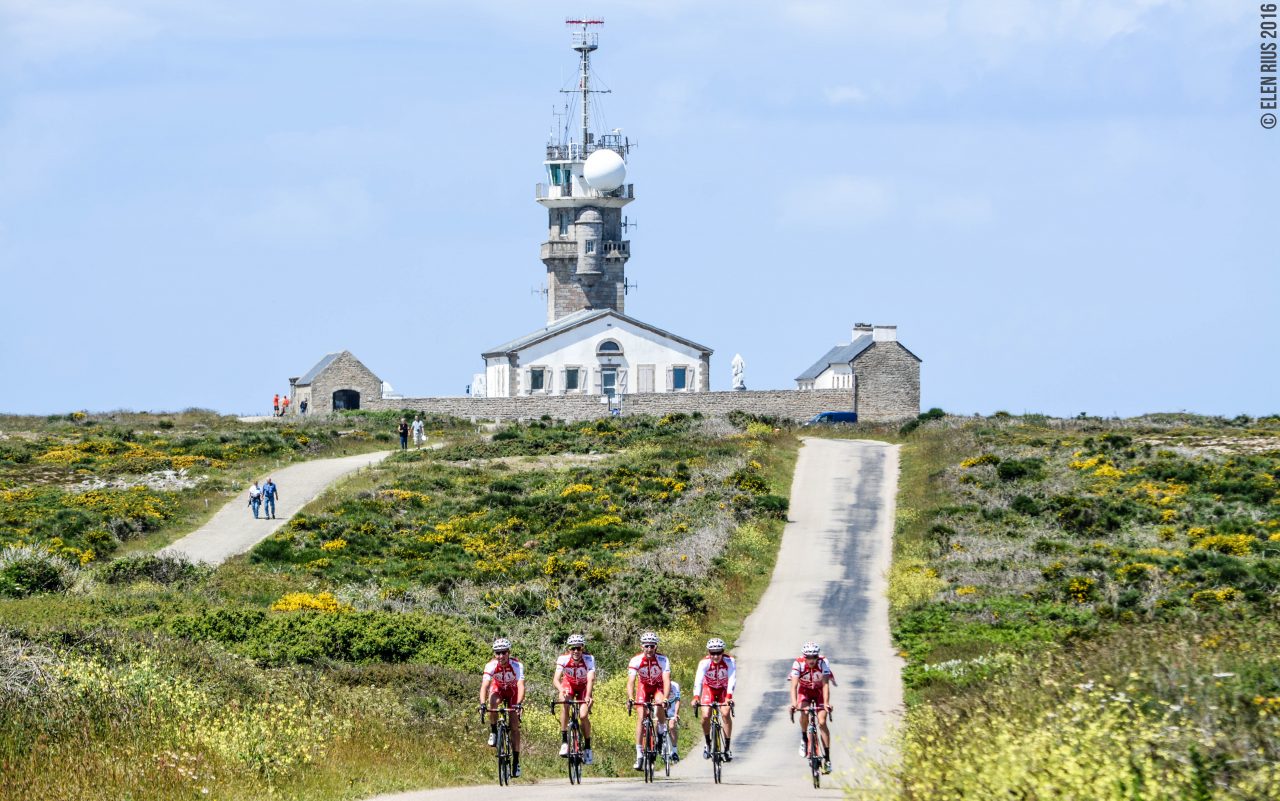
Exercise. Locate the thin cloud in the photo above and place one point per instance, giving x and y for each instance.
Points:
(844, 95)
(840, 200)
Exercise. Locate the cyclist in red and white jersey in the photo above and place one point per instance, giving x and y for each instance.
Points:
(575, 680)
(811, 680)
(503, 685)
(717, 674)
(648, 681)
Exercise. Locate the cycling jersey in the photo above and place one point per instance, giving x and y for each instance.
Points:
(504, 680)
(504, 676)
(649, 669)
(811, 678)
(573, 674)
(722, 676)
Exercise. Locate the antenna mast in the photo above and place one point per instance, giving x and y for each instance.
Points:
(584, 42)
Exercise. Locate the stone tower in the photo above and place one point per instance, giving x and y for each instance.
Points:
(585, 253)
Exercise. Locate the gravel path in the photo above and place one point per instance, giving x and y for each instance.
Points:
(233, 529)
(829, 586)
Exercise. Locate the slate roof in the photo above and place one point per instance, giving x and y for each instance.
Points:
(840, 354)
(580, 318)
(315, 371)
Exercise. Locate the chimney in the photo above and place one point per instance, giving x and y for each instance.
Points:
(885, 333)
(860, 329)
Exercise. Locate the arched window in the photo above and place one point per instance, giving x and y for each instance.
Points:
(608, 348)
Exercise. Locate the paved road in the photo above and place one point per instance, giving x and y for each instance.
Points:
(828, 585)
(233, 529)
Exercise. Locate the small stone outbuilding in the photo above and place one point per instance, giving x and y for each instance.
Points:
(882, 376)
(338, 381)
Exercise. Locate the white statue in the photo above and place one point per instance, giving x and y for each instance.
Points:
(738, 366)
(478, 388)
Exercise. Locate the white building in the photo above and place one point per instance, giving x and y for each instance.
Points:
(589, 345)
(596, 352)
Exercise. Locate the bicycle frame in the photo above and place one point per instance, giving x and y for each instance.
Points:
(717, 736)
(648, 735)
(575, 756)
(813, 738)
(502, 741)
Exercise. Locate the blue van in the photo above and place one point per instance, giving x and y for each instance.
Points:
(832, 418)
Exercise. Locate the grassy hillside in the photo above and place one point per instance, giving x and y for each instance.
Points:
(1088, 609)
(340, 657)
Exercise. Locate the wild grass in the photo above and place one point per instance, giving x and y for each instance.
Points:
(1086, 611)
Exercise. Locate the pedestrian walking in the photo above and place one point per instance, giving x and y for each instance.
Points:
(255, 499)
(419, 432)
(270, 492)
(284, 406)
(275, 405)
(302, 407)
(403, 429)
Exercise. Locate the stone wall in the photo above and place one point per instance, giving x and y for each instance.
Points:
(344, 372)
(888, 383)
(785, 403)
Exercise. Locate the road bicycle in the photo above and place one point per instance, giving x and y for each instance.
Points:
(574, 758)
(502, 739)
(812, 740)
(717, 738)
(648, 736)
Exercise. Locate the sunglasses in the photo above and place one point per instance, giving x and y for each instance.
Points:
(575, 648)
(649, 645)
(501, 653)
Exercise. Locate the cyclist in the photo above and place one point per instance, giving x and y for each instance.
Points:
(713, 683)
(811, 680)
(503, 684)
(575, 680)
(654, 673)
(673, 717)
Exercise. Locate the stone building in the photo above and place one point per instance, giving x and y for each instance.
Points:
(590, 345)
(881, 376)
(336, 382)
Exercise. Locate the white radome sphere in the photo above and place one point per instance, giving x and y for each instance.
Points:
(605, 170)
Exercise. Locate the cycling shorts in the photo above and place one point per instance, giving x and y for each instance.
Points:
(576, 692)
(711, 695)
(505, 695)
(648, 693)
(807, 695)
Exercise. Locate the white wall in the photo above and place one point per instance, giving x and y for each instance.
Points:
(839, 376)
(578, 348)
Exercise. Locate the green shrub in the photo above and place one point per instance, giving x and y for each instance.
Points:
(150, 567)
(1031, 469)
(25, 570)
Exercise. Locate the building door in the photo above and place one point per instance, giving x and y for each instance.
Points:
(609, 381)
(645, 379)
(346, 399)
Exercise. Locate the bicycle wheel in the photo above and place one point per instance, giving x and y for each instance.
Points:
(717, 748)
(504, 756)
(666, 752)
(647, 740)
(575, 754)
(815, 762)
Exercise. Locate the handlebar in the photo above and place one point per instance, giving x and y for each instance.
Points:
(483, 709)
(575, 703)
(714, 705)
(648, 705)
(812, 708)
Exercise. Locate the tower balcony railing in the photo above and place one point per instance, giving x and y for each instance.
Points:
(576, 152)
(561, 191)
(611, 249)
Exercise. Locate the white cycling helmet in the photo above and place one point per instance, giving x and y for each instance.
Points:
(501, 644)
(576, 641)
(811, 648)
(715, 645)
(648, 638)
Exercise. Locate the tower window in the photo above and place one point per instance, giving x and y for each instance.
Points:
(591, 246)
(570, 379)
(679, 378)
(564, 223)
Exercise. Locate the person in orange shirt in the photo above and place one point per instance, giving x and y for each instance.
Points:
(284, 406)
(275, 405)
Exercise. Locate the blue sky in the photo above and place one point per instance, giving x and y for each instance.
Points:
(1065, 207)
